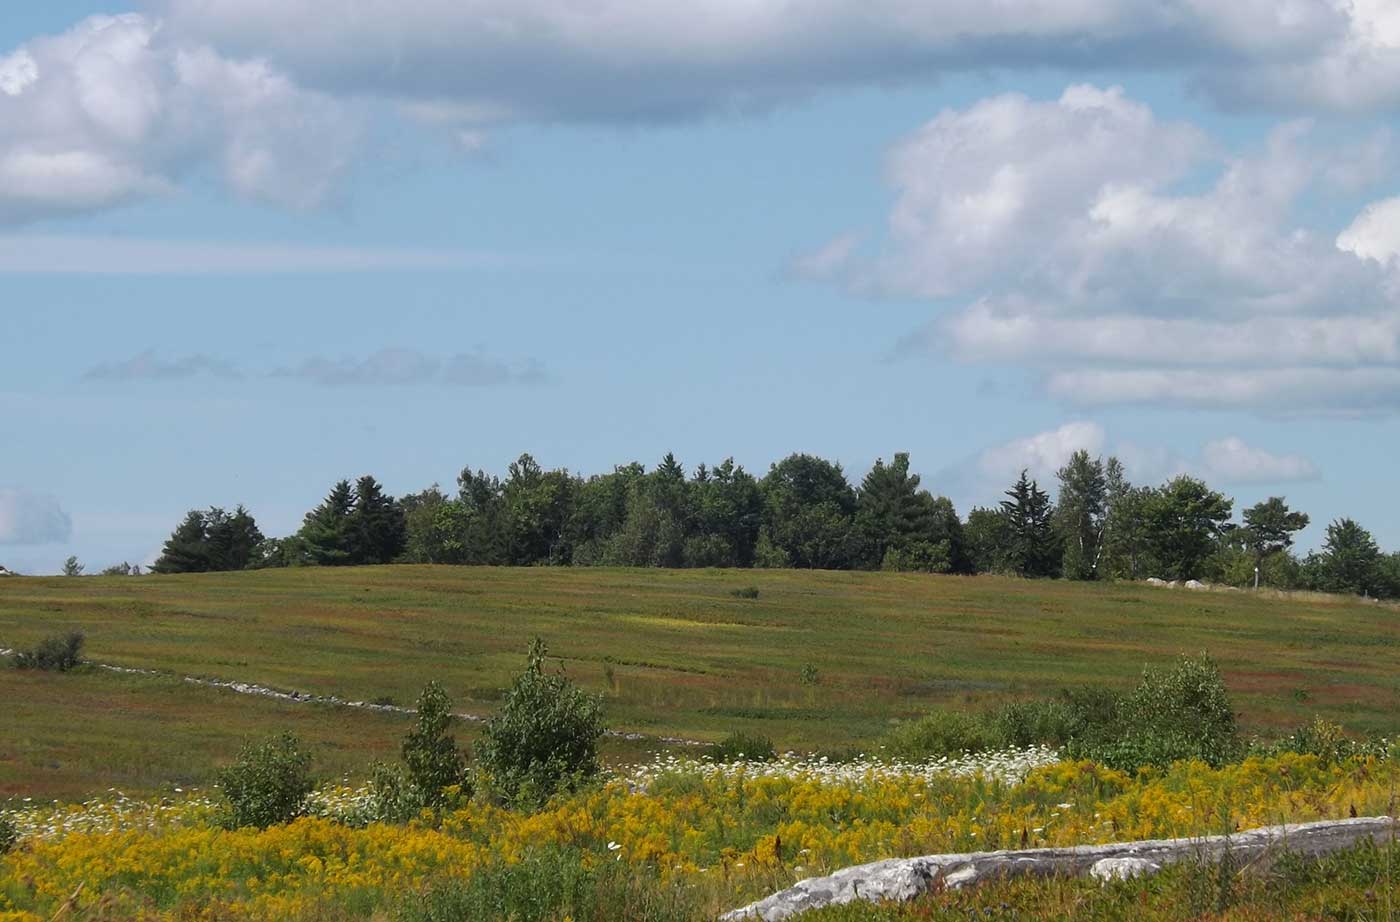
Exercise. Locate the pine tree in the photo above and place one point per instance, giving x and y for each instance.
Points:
(325, 532)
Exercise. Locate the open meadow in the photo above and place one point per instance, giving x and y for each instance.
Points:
(818, 661)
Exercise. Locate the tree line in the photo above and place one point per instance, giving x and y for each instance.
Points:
(804, 513)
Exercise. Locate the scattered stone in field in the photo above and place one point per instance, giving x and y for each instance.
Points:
(1196, 584)
(1154, 581)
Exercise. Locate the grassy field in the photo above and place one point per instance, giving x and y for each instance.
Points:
(676, 653)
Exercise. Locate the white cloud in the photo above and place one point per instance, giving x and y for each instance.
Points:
(1063, 230)
(1221, 462)
(27, 517)
(1375, 234)
(617, 60)
(1296, 390)
(1042, 454)
(116, 109)
(1230, 460)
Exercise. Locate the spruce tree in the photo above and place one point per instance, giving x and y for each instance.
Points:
(232, 540)
(1034, 547)
(187, 548)
(325, 532)
(378, 530)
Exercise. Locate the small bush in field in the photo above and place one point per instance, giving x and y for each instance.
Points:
(56, 653)
(545, 737)
(1179, 713)
(743, 747)
(938, 733)
(267, 785)
(1327, 741)
(746, 592)
(430, 752)
(8, 834)
(433, 768)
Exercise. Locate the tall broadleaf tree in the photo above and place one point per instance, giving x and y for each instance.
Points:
(808, 511)
(537, 509)
(1080, 510)
(1269, 527)
(1186, 519)
(1350, 560)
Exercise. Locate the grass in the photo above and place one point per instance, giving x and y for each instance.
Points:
(675, 652)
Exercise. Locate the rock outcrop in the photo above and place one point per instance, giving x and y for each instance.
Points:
(907, 878)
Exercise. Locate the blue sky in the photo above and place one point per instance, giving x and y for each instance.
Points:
(244, 255)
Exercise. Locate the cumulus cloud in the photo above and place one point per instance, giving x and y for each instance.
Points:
(399, 367)
(1230, 460)
(615, 60)
(148, 366)
(1066, 232)
(1042, 454)
(117, 109)
(269, 95)
(27, 517)
(1226, 461)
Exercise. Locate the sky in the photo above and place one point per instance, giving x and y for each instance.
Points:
(251, 247)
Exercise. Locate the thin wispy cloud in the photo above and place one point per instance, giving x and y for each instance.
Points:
(406, 367)
(149, 366)
(29, 517)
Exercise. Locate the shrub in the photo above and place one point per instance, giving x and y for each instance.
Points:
(1327, 741)
(430, 753)
(1180, 713)
(938, 733)
(708, 551)
(746, 592)
(545, 738)
(56, 653)
(809, 674)
(1043, 721)
(433, 768)
(267, 785)
(919, 557)
(743, 747)
(9, 835)
(393, 798)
